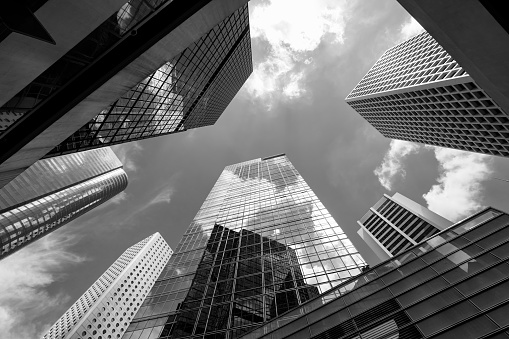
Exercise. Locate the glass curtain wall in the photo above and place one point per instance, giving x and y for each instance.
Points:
(452, 285)
(260, 245)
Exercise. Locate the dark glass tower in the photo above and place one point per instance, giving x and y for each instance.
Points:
(118, 72)
(191, 90)
(261, 244)
(53, 192)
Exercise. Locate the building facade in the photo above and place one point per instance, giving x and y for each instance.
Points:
(189, 91)
(260, 245)
(105, 309)
(454, 284)
(476, 34)
(52, 192)
(397, 223)
(417, 92)
(125, 71)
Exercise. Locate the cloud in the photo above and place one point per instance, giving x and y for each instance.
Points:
(126, 153)
(291, 38)
(25, 277)
(392, 165)
(459, 189)
(409, 29)
(163, 196)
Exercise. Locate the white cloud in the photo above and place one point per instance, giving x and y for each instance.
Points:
(25, 277)
(392, 165)
(126, 153)
(293, 29)
(164, 196)
(409, 29)
(459, 189)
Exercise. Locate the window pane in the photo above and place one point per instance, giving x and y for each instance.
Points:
(492, 296)
(470, 267)
(448, 317)
(414, 279)
(473, 328)
(502, 252)
(434, 303)
(484, 279)
(422, 291)
(501, 315)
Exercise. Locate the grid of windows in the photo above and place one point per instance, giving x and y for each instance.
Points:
(452, 285)
(78, 58)
(395, 227)
(105, 309)
(189, 91)
(431, 101)
(21, 225)
(261, 244)
(416, 61)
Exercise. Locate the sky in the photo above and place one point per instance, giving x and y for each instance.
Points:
(307, 55)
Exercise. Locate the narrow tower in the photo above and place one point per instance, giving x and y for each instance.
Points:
(106, 308)
(52, 192)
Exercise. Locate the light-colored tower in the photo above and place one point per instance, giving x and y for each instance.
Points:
(105, 310)
(52, 192)
(417, 92)
(396, 223)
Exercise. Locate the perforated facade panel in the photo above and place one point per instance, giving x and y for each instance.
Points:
(106, 308)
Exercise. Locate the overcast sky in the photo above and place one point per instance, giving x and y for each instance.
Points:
(308, 55)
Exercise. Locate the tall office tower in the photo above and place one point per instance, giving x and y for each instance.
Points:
(119, 71)
(454, 284)
(52, 192)
(476, 34)
(396, 223)
(260, 245)
(417, 92)
(105, 309)
(189, 91)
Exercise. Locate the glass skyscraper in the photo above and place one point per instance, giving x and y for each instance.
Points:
(189, 91)
(397, 223)
(454, 284)
(417, 92)
(260, 245)
(52, 192)
(105, 309)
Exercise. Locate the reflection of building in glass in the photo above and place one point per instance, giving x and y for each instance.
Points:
(53, 192)
(417, 92)
(397, 223)
(105, 309)
(119, 71)
(191, 90)
(261, 244)
(454, 284)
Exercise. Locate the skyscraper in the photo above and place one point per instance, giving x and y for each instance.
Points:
(454, 284)
(260, 245)
(52, 192)
(105, 309)
(417, 92)
(396, 223)
(476, 34)
(119, 71)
